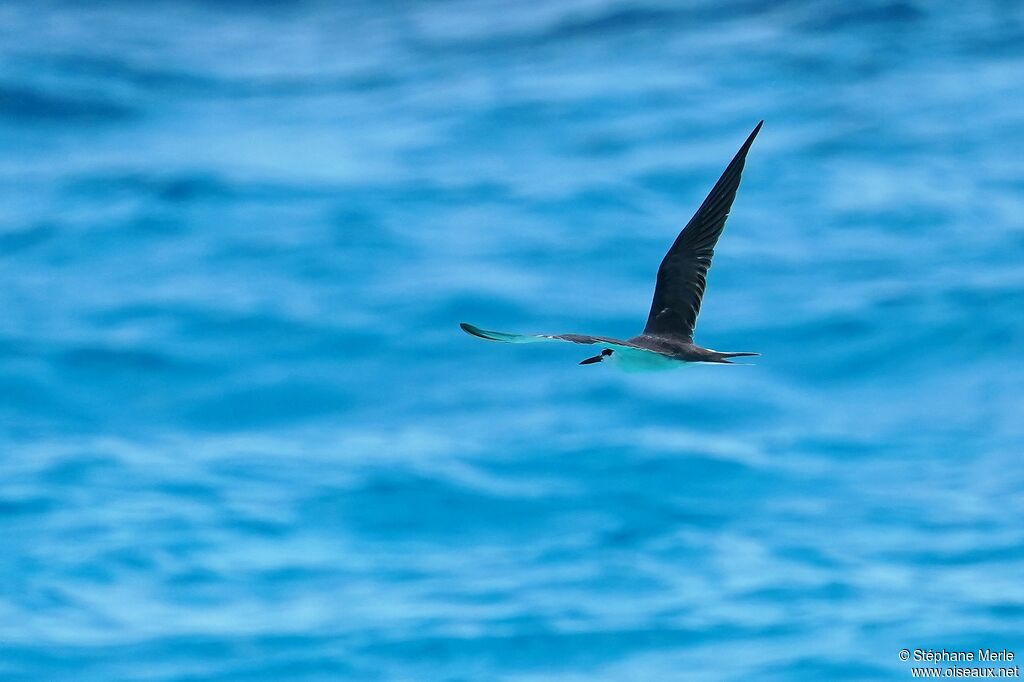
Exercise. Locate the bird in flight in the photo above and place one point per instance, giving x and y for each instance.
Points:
(667, 340)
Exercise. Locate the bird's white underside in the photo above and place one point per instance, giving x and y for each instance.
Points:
(626, 358)
(637, 360)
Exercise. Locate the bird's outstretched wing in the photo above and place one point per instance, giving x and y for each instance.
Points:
(683, 272)
(585, 339)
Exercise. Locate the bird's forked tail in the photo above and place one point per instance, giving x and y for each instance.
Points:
(724, 357)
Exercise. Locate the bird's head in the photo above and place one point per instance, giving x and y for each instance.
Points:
(605, 354)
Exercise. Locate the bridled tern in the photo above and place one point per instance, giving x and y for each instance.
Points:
(667, 340)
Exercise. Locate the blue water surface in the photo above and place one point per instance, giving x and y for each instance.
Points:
(243, 438)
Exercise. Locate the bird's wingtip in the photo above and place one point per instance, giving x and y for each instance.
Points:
(742, 153)
(475, 331)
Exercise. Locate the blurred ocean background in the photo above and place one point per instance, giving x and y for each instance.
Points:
(243, 438)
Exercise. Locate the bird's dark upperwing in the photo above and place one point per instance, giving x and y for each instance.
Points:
(683, 272)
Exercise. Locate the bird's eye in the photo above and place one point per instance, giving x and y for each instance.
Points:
(606, 351)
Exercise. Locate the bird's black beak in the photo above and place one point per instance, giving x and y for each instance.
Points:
(590, 361)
